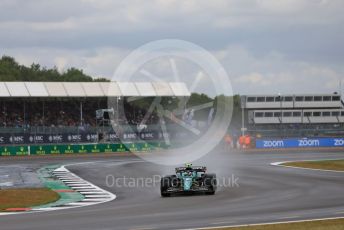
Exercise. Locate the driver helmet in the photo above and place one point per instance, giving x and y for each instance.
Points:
(188, 166)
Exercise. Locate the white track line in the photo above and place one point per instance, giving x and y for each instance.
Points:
(280, 164)
(97, 196)
(93, 192)
(75, 183)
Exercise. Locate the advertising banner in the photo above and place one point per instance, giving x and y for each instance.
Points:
(4, 139)
(299, 143)
(17, 139)
(83, 148)
(14, 150)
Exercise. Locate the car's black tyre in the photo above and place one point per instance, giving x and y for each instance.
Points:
(166, 182)
(211, 183)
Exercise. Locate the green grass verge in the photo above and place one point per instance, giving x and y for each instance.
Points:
(337, 165)
(337, 224)
(24, 198)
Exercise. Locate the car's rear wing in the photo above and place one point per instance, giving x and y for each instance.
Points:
(195, 168)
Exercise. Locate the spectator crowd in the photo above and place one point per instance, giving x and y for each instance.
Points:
(59, 113)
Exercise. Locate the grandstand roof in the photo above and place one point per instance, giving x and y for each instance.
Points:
(92, 89)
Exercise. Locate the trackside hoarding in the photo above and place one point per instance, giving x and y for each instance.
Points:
(299, 143)
(21, 138)
(78, 148)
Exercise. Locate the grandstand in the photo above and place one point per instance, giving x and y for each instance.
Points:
(59, 112)
(292, 101)
(311, 115)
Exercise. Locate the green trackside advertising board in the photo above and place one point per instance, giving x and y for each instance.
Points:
(78, 148)
(14, 150)
(75, 149)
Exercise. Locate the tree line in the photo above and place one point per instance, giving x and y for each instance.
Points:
(11, 70)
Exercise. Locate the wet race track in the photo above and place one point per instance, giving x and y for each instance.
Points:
(250, 191)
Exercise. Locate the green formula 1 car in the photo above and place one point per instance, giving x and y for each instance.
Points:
(188, 179)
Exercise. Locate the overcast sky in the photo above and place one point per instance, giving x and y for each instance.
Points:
(266, 46)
